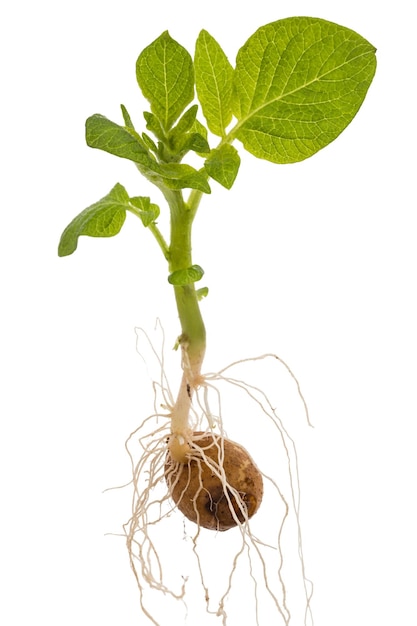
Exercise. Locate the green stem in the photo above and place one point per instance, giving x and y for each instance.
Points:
(193, 332)
(160, 239)
(155, 231)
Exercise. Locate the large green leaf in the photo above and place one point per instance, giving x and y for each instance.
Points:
(214, 81)
(298, 83)
(164, 71)
(104, 218)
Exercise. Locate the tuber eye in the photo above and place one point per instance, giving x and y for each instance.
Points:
(220, 485)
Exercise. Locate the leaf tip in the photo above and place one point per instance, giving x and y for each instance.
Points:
(64, 248)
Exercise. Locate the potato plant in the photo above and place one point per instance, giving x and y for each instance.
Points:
(296, 85)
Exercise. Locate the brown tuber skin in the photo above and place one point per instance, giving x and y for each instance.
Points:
(200, 494)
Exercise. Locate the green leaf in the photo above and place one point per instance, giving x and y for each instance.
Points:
(105, 135)
(104, 218)
(182, 138)
(298, 83)
(186, 121)
(199, 128)
(190, 141)
(223, 165)
(201, 293)
(214, 81)
(126, 117)
(153, 124)
(149, 142)
(144, 209)
(187, 276)
(164, 71)
(182, 176)
(197, 143)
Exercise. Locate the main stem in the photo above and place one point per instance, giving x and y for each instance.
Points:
(193, 333)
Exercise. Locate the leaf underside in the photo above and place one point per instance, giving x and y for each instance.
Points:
(104, 218)
(298, 83)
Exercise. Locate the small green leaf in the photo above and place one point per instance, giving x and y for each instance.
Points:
(187, 276)
(154, 125)
(223, 165)
(190, 141)
(153, 214)
(182, 176)
(165, 74)
(144, 209)
(186, 121)
(126, 117)
(298, 83)
(202, 293)
(105, 135)
(141, 202)
(199, 129)
(104, 218)
(197, 143)
(149, 142)
(214, 81)
(183, 137)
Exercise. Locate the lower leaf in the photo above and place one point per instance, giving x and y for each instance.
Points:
(104, 218)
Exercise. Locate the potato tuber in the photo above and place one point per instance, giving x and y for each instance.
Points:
(219, 486)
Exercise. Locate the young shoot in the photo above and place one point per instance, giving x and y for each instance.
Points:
(296, 84)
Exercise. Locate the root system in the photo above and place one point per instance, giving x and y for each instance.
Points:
(177, 510)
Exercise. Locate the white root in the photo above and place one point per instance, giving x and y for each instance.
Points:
(178, 564)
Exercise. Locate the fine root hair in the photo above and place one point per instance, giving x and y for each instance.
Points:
(181, 565)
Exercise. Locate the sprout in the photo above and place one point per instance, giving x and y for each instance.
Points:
(297, 84)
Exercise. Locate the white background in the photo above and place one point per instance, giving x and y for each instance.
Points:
(315, 261)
